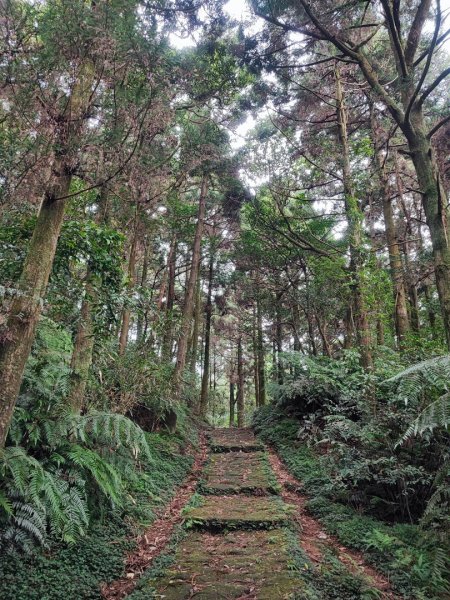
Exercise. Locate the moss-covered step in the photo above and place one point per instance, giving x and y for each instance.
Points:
(229, 440)
(237, 564)
(239, 473)
(238, 512)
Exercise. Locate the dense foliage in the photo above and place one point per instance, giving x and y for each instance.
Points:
(206, 208)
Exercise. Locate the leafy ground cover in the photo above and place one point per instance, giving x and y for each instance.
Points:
(412, 558)
(76, 571)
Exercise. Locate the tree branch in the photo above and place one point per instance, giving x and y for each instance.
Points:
(434, 85)
(438, 125)
(415, 32)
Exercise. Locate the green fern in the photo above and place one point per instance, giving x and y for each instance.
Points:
(97, 428)
(26, 528)
(421, 379)
(427, 377)
(5, 503)
(436, 414)
(438, 506)
(102, 472)
(40, 501)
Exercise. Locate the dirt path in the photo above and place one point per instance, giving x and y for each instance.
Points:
(238, 541)
(313, 538)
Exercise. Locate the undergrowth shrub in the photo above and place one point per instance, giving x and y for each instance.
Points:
(61, 471)
(376, 474)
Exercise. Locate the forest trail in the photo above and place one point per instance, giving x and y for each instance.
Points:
(239, 541)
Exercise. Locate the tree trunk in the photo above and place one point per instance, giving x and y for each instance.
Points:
(196, 327)
(240, 396)
(395, 260)
(167, 341)
(17, 340)
(255, 355)
(308, 313)
(126, 313)
(232, 403)
(414, 304)
(349, 328)
(261, 356)
(430, 310)
(84, 342)
(434, 201)
(279, 338)
(190, 291)
(354, 218)
(326, 349)
(143, 311)
(23, 316)
(274, 361)
(82, 352)
(296, 327)
(208, 312)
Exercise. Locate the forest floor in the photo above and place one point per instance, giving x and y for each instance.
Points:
(244, 535)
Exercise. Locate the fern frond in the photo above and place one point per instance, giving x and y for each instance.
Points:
(421, 378)
(103, 473)
(98, 427)
(5, 503)
(436, 414)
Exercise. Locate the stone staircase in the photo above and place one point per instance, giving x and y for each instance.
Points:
(237, 545)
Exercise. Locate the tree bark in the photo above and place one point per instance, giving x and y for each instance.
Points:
(296, 327)
(143, 311)
(326, 348)
(261, 356)
(167, 341)
(308, 313)
(208, 313)
(354, 218)
(255, 355)
(17, 340)
(82, 352)
(395, 260)
(83, 348)
(190, 291)
(232, 403)
(279, 337)
(126, 313)
(196, 327)
(240, 395)
(436, 210)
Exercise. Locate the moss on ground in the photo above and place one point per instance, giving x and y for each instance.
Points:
(239, 473)
(232, 565)
(243, 512)
(230, 440)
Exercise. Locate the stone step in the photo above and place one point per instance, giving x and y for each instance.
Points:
(238, 512)
(231, 440)
(233, 565)
(239, 473)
